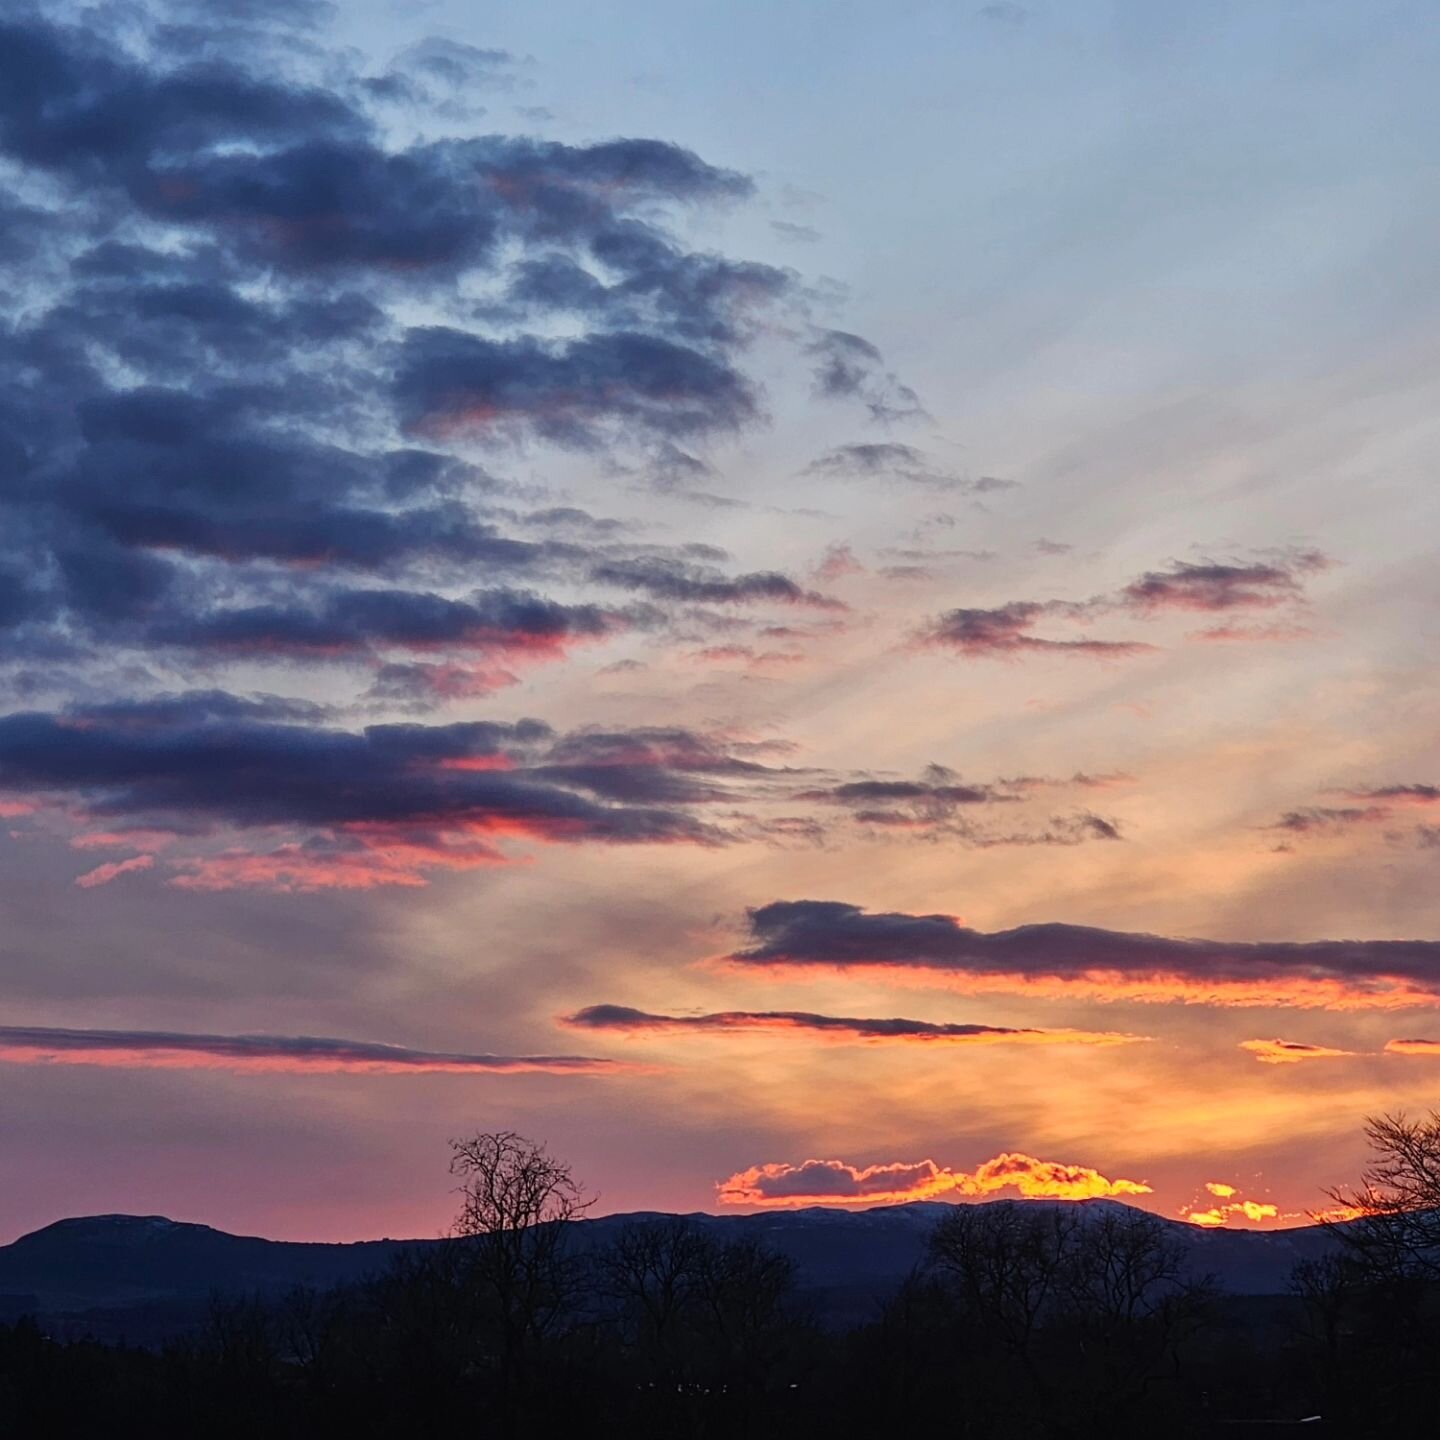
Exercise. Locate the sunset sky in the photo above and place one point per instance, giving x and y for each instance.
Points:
(809, 602)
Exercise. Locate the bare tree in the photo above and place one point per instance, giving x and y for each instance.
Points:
(1087, 1301)
(704, 1324)
(1370, 1307)
(1129, 1301)
(516, 1204)
(1394, 1213)
(1328, 1287)
(744, 1288)
(653, 1269)
(1005, 1263)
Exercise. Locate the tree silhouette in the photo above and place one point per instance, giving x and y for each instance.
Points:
(516, 1205)
(1391, 1220)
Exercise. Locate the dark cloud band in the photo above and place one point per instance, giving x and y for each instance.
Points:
(1057, 958)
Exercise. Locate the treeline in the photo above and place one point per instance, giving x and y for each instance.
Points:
(1023, 1321)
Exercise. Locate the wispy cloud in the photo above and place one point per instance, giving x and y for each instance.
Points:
(291, 1054)
(892, 460)
(1208, 587)
(627, 1021)
(1292, 1052)
(113, 870)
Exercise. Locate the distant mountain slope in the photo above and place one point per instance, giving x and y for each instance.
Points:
(98, 1261)
(145, 1275)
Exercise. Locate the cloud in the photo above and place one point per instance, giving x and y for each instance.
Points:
(1217, 1215)
(1232, 634)
(849, 367)
(1320, 817)
(289, 1054)
(294, 174)
(1412, 1047)
(655, 764)
(892, 460)
(745, 655)
(306, 806)
(260, 330)
(1399, 795)
(1284, 1052)
(113, 870)
(1056, 959)
(1007, 630)
(833, 1182)
(350, 622)
(672, 579)
(422, 685)
(1005, 13)
(802, 234)
(941, 805)
(626, 1021)
(574, 393)
(263, 791)
(451, 65)
(1291, 1052)
(1212, 1217)
(675, 472)
(1208, 587)
(1382, 805)
(939, 787)
(838, 562)
(1212, 588)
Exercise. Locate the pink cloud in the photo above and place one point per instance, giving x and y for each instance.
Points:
(113, 870)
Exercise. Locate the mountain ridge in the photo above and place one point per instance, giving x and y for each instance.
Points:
(148, 1276)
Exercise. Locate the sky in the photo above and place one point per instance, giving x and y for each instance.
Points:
(808, 603)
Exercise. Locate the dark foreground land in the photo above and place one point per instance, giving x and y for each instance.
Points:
(998, 1320)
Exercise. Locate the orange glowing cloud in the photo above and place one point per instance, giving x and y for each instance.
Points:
(833, 1182)
(290, 1054)
(1254, 1210)
(1412, 1047)
(1291, 1052)
(623, 1020)
(1219, 1215)
(1337, 1214)
(1212, 1217)
(1207, 1219)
